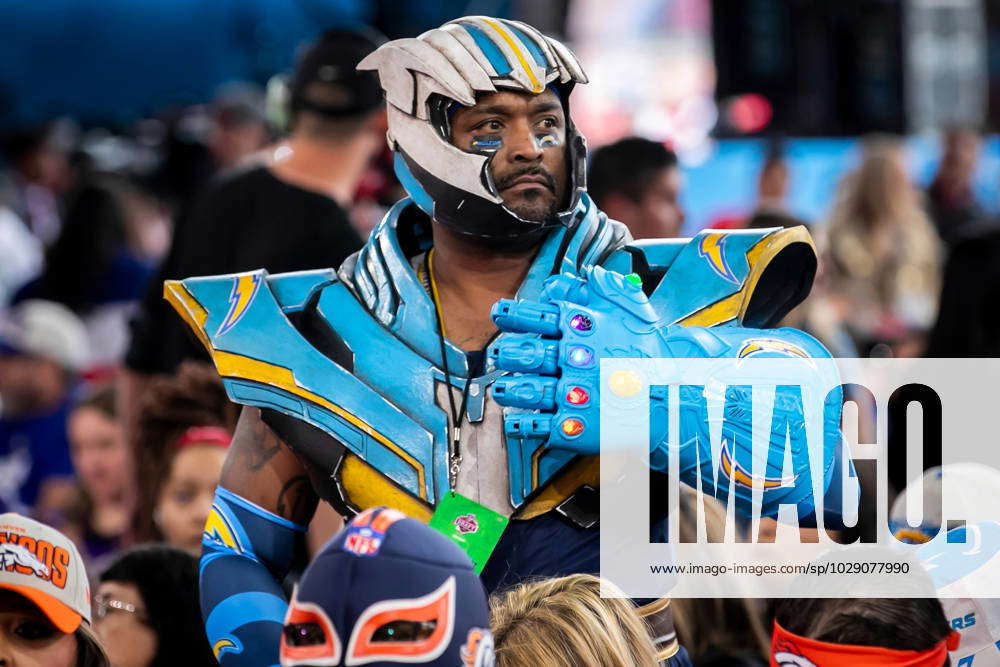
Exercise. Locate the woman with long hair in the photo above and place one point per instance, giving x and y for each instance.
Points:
(185, 424)
(565, 622)
(881, 256)
(100, 513)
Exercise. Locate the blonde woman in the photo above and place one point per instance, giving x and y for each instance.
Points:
(728, 631)
(881, 256)
(565, 622)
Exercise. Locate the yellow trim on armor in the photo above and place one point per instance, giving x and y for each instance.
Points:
(365, 487)
(238, 366)
(188, 308)
(586, 471)
(534, 466)
(536, 87)
(434, 292)
(758, 257)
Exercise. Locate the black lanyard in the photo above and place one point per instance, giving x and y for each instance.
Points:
(457, 414)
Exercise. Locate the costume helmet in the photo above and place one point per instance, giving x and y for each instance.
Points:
(423, 78)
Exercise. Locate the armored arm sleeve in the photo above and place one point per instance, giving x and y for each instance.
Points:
(246, 552)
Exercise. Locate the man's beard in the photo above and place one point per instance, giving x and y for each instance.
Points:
(534, 207)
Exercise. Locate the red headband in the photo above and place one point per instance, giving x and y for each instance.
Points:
(790, 650)
(204, 435)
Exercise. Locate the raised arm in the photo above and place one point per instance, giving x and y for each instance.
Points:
(263, 501)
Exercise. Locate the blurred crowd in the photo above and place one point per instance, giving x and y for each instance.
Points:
(114, 428)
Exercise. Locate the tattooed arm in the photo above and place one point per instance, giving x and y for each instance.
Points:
(263, 501)
(263, 470)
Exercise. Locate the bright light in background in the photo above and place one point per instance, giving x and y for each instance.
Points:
(749, 113)
(651, 72)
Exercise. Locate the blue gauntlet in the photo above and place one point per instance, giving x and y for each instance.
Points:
(246, 552)
(555, 344)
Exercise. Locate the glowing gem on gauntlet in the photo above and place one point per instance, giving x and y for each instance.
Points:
(572, 427)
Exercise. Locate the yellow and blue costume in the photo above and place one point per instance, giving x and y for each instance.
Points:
(347, 364)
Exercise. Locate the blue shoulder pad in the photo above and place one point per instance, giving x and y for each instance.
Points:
(292, 291)
(265, 361)
(745, 277)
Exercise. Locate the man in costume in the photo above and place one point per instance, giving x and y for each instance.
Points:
(387, 383)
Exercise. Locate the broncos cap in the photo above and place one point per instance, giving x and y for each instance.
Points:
(44, 566)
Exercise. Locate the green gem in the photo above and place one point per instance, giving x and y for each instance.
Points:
(634, 279)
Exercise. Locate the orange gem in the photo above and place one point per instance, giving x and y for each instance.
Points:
(572, 427)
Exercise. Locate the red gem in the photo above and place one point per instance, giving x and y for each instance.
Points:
(577, 396)
(572, 427)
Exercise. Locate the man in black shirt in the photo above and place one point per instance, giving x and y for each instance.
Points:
(287, 214)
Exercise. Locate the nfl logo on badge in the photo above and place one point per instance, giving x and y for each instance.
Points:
(466, 524)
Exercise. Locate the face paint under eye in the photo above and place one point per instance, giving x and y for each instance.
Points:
(546, 140)
(486, 143)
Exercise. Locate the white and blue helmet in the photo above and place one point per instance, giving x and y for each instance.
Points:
(424, 77)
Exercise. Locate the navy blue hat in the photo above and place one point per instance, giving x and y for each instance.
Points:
(388, 590)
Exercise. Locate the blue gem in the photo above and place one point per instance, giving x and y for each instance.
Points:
(581, 356)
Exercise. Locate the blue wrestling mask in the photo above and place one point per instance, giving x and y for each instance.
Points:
(388, 590)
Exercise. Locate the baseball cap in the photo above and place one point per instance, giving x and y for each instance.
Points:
(43, 565)
(46, 329)
(968, 490)
(331, 60)
(388, 589)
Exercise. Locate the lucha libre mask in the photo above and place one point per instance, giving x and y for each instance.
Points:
(388, 590)
(425, 77)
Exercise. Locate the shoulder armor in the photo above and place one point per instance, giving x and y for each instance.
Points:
(247, 321)
(750, 278)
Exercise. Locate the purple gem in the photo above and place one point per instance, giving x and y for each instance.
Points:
(581, 356)
(581, 323)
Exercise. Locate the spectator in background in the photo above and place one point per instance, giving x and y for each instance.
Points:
(723, 631)
(100, 514)
(239, 127)
(881, 256)
(20, 255)
(638, 182)
(185, 425)
(93, 269)
(386, 590)
(39, 172)
(145, 610)
(43, 623)
(968, 320)
(952, 206)
(43, 346)
(565, 622)
(772, 193)
(859, 631)
(288, 215)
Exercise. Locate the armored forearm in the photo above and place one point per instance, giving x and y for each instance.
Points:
(246, 552)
